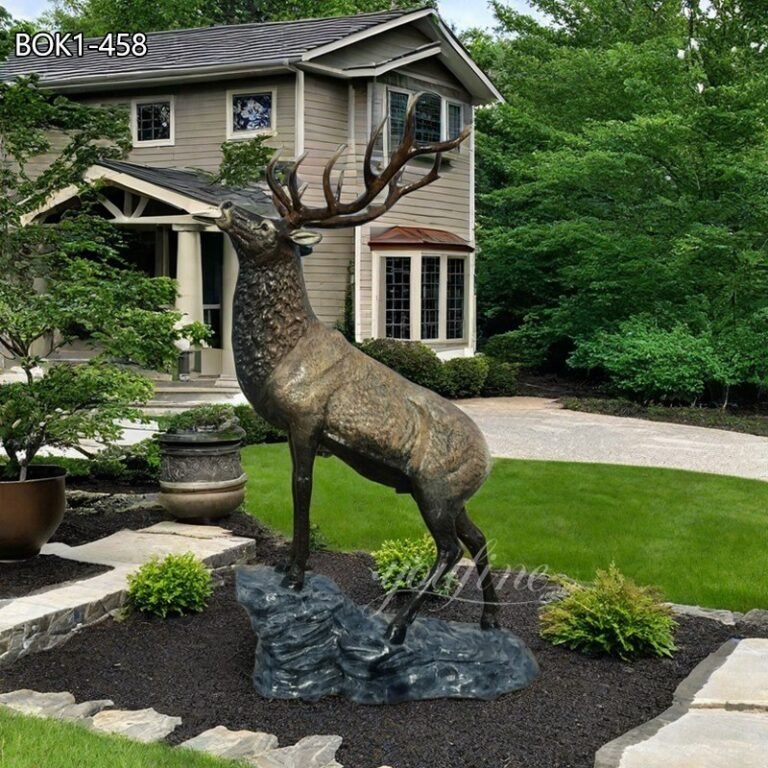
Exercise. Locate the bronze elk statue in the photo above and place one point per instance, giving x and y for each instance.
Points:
(307, 379)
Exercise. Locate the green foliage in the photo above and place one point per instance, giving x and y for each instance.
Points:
(201, 418)
(403, 564)
(66, 280)
(176, 584)
(97, 17)
(501, 380)
(243, 162)
(612, 616)
(626, 176)
(650, 363)
(465, 376)
(346, 325)
(257, 430)
(411, 359)
(139, 462)
(317, 539)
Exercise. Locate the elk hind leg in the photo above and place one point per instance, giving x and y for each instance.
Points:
(474, 540)
(443, 529)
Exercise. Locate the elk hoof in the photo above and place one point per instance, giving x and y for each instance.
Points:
(294, 578)
(396, 633)
(489, 622)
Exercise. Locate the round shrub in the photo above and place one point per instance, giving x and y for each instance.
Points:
(465, 376)
(176, 584)
(411, 359)
(507, 347)
(611, 616)
(405, 564)
(257, 430)
(501, 380)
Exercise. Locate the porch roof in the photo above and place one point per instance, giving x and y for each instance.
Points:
(197, 185)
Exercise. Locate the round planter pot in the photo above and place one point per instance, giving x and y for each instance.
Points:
(30, 511)
(201, 478)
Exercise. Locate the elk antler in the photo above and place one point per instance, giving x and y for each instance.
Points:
(362, 208)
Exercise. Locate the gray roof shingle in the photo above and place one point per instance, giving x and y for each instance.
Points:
(185, 49)
(198, 186)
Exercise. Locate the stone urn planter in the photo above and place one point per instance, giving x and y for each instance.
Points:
(201, 478)
(30, 511)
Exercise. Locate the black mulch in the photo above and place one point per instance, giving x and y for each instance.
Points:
(199, 668)
(27, 576)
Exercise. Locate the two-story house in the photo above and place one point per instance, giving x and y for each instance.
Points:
(310, 86)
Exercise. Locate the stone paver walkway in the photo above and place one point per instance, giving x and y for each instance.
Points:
(537, 428)
(719, 718)
(43, 620)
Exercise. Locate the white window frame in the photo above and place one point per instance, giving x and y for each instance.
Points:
(415, 256)
(444, 102)
(233, 135)
(169, 142)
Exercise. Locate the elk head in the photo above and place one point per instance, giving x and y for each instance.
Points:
(260, 237)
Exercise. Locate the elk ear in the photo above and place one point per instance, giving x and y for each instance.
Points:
(305, 237)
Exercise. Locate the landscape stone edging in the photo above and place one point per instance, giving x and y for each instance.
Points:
(147, 725)
(610, 754)
(46, 619)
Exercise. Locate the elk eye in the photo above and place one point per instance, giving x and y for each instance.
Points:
(264, 226)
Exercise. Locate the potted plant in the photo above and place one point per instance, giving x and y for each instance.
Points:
(63, 281)
(201, 478)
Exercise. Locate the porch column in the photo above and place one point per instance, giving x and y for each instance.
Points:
(229, 269)
(189, 273)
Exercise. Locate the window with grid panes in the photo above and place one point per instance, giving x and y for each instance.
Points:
(397, 307)
(455, 299)
(427, 122)
(430, 297)
(153, 121)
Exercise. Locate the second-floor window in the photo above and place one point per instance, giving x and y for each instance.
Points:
(152, 123)
(250, 113)
(436, 118)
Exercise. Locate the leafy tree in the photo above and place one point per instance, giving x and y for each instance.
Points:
(64, 280)
(627, 177)
(97, 17)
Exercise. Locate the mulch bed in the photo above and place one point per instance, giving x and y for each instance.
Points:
(28, 576)
(199, 668)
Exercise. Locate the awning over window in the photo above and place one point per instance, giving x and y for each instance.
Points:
(419, 237)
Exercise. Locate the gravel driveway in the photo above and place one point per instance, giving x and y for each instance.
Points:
(537, 428)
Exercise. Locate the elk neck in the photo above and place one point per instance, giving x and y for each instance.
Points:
(271, 313)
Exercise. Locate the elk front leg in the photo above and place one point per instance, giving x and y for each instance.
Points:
(303, 447)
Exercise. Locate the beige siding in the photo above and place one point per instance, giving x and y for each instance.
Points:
(375, 50)
(326, 125)
(201, 121)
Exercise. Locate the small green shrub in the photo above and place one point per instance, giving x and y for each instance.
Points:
(405, 564)
(464, 376)
(128, 463)
(411, 359)
(317, 540)
(257, 430)
(612, 616)
(201, 417)
(501, 380)
(176, 584)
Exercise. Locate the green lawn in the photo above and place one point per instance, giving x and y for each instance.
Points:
(31, 742)
(701, 538)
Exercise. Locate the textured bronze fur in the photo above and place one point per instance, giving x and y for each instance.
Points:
(307, 379)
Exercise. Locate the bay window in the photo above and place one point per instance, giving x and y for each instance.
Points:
(423, 296)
